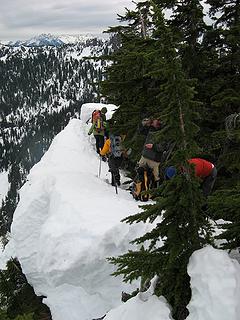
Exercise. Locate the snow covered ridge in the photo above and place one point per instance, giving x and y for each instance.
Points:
(54, 40)
(67, 223)
(215, 283)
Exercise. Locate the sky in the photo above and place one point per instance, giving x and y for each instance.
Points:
(23, 19)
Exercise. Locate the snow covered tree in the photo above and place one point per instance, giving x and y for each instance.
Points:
(181, 225)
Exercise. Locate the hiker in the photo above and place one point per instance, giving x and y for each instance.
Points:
(153, 153)
(203, 169)
(115, 151)
(142, 183)
(106, 126)
(98, 128)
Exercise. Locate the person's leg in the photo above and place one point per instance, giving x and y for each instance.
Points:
(142, 162)
(118, 162)
(208, 182)
(101, 141)
(112, 169)
(155, 169)
(97, 143)
(114, 164)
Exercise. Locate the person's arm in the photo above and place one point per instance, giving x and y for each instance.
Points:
(91, 129)
(158, 147)
(155, 146)
(143, 130)
(106, 148)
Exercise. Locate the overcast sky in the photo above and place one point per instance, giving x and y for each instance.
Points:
(22, 19)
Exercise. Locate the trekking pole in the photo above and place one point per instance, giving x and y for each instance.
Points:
(114, 180)
(100, 166)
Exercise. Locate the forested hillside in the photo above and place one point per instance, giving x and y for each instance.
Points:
(41, 88)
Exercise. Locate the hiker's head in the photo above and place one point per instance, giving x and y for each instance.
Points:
(147, 122)
(170, 172)
(104, 110)
(156, 123)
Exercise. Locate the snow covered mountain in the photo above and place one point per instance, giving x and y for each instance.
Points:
(68, 222)
(54, 40)
(41, 88)
(38, 41)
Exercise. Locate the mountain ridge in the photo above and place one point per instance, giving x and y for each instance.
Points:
(47, 39)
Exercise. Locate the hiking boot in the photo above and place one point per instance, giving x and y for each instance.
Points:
(125, 296)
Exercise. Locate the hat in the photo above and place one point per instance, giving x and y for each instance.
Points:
(104, 110)
(146, 122)
(170, 172)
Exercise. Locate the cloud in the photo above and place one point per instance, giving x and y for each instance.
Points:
(20, 19)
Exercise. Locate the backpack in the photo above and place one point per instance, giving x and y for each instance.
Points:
(142, 183)
(116, 146)
(97, 120)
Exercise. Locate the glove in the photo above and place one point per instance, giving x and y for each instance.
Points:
(149, 145)
(129, 151)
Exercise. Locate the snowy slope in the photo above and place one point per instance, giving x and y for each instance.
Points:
(4, 185)
(68, 222)
(215, 282)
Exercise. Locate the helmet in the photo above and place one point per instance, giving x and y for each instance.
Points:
(104, 110)
(170, 172)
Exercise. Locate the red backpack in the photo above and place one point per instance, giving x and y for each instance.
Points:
(97, 120)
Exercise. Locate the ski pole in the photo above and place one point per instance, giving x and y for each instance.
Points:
(100, 166)
(114, 180)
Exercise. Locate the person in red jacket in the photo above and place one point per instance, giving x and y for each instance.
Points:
(204, 170)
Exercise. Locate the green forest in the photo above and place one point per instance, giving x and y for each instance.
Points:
(183, 69)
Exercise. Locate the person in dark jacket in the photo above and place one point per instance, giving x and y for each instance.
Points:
(113, 148)
(203, 169)
(152, 152)
(151, 156)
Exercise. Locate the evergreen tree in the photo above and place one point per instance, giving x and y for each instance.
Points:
(127, 83)
(188, 27)
(225, 112)
(225, 202)
(224, 98)
(181, 225)
(17, 296)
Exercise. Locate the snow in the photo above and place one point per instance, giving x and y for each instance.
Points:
(142, 307)
(4, 185)
(88, 108)
(75, 38)
(68, 222)
(154, 308)
(215, 282)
